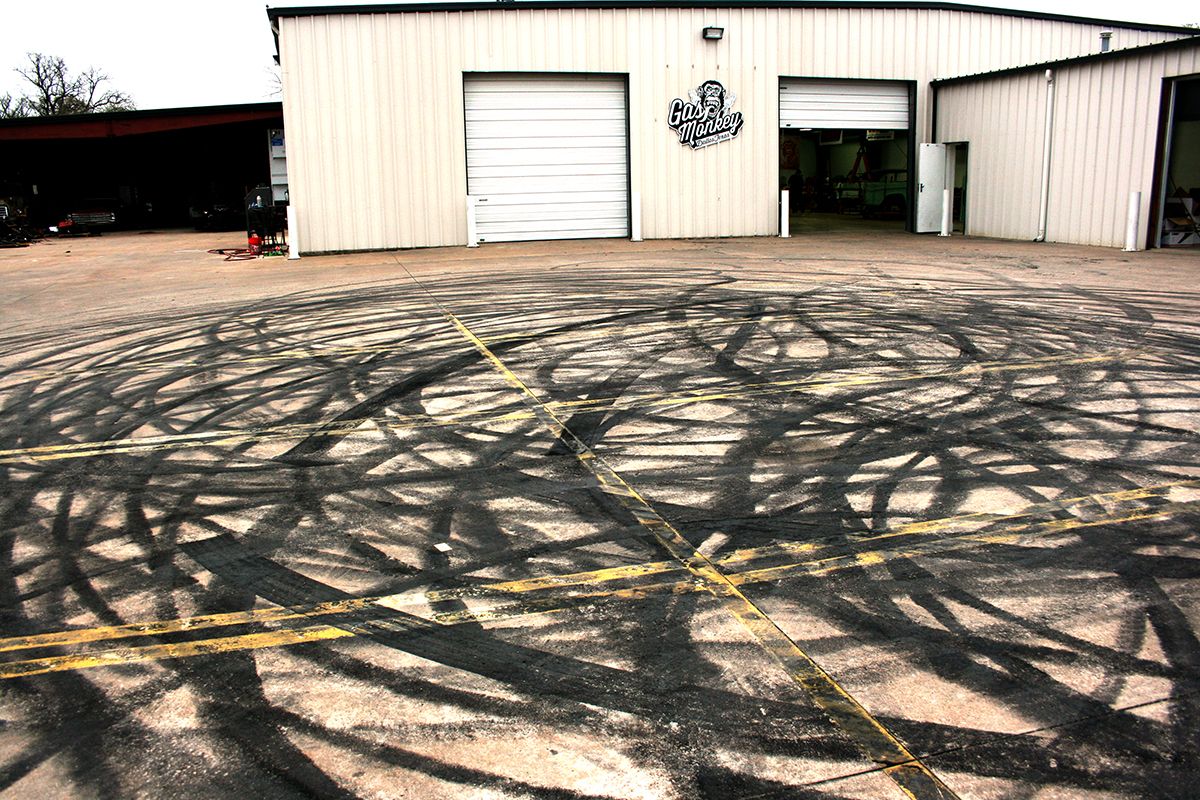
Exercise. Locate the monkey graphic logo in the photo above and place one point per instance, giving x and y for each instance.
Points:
(710, 96)
(707, 118)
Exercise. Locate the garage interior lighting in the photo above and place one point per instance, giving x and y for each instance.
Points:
(712, 33)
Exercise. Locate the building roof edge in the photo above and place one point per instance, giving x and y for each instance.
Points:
(1126, 52)
(474, 5)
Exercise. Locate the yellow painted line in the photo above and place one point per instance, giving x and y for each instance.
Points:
(1009, 535)
(393, 601)
(160, 627)
(1064, 525)
(973, 521)
(255, 641)
(154, 652)
(872, 738)
(228, 438)
(252, 641)
(814, 567)
(396, 601)
(301, 354)
(593, 578)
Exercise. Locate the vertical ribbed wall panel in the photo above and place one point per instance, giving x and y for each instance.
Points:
(374, 115)
(1104, 141)
(1002, 120)
(1105, 144)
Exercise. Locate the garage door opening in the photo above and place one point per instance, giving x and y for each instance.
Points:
(1179, 182)
(845, 150)
(959, 184)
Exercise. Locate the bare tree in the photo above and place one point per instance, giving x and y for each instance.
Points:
(275, 80)
(56, 91)
(12, 107)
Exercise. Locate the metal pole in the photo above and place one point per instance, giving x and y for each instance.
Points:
(784, 199)
(635, 217)
(293, 234)
(472, 232)
(947, 212)
(1131, 226)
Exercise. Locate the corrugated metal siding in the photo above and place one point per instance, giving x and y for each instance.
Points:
(1103, 147)
(373, 103)
(1004, 123)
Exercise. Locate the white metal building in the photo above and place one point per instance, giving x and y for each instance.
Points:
(427, 125)
(1117, 123)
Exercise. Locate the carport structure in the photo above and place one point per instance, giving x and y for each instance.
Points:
(153, 164)
(684, 519)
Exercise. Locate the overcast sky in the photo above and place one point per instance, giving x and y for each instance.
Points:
(175, 53)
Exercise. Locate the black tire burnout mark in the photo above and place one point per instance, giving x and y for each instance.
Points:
(182, 531)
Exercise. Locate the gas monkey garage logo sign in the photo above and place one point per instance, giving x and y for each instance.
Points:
(706, 119)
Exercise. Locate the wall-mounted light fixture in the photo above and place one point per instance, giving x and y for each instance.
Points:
(1105, 41)
(713, 33)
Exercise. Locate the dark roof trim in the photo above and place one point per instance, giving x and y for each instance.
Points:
(473, 5)
(1111, 55)
(128, 123)
(146, 113)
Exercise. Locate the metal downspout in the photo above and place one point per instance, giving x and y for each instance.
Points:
(1044, 207)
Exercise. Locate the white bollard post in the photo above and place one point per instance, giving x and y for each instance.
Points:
(784, 202)
(472, 232)
(635, 217)
(947, 212)
(1131, 226)
(293, 234)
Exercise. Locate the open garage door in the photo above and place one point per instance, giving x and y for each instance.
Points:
(827, 104)
(845, 153)
(547, 156)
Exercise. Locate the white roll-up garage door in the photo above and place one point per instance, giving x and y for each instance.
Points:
(873, 105)
(547, 156)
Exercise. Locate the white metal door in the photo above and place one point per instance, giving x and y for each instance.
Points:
(547, 156)
(931, 174)
(871, 105)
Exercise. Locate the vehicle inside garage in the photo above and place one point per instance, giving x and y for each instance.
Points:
(845, 148)
(844, 178)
